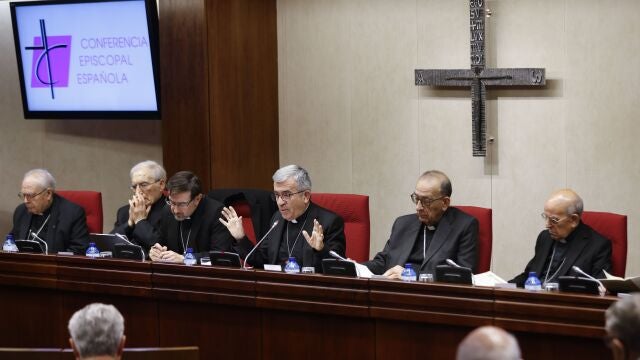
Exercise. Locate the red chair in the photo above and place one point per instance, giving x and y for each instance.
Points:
(243, 209)
(91, 202)
(354, 210)
(613, 227)
(485, 235)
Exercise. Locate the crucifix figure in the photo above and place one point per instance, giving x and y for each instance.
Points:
(478, 78)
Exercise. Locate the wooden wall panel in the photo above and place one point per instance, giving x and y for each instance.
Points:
(244, 91)
(220, 90)
(185, 87)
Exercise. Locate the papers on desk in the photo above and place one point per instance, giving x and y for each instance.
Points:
(488, 279)
(617, 284)
(363, 271)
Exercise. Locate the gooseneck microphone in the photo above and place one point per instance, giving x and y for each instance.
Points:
(453, 263)
(337, 256)
(579, 271)
(37, 238)
(258, 244)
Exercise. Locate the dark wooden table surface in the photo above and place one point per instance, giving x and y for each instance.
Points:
(235, 313)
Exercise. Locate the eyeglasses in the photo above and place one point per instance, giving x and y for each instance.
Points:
(143, 185)
(24, 196)
(181, 204)
(425, 202)
(553, 219)
(285, 196)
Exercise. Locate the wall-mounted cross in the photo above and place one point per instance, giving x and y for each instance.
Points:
(478, 78)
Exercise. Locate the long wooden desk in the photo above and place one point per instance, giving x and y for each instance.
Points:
(235, 313)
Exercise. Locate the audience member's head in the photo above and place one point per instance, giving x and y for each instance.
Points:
(623, 327)
(97, 332)
(488, 343)
(292, 191)
(432, 196)
(38, 186)
(184, 194)
(562, 212)
(148, 178)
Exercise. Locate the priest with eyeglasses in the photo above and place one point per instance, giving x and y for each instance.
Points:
(47, 218)
(435, 233)
(566, 242)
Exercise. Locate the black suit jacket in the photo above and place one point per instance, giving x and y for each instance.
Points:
(588, 250)
(66, 229)
(455, 238)
(334, 239)
(207, 233)
(146, 232)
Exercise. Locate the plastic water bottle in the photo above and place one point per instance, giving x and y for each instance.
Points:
(92, 251)
(292, 266)
(9, 245)
(189, 258)
(408, 274)
(533, 283)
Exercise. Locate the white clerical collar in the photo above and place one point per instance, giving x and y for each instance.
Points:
(431, 227)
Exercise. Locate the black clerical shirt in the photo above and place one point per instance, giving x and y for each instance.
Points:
(292, 240)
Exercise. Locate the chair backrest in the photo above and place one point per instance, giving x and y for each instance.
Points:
(160, 353)
(34, 354)
(613, 227)
(256, 207)
(354, 210)
(163, 353)
(91, 202)
(485, 235)
(243, 209)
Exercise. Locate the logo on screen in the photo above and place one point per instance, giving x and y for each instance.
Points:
(51, 58)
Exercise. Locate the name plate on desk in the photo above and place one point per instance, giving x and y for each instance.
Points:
(271, 267)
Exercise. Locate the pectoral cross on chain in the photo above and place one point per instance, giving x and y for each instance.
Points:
(478, 78)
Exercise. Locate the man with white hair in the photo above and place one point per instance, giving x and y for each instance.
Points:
(488, 343)
(97, 332)
(304, 230)
(141, 219)
(623, 328)
(45, 216)
(566, 242)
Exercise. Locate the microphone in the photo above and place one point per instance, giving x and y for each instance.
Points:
(337, 256)
(36, 237)
(453, 263)
(258, 244)
(579, 271)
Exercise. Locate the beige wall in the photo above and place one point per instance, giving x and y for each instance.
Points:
(82, 155)
(350, 113)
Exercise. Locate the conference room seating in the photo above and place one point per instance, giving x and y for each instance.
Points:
(155, 353)
(485, 235)
(91, 202)
(354, 210)
(613, 227)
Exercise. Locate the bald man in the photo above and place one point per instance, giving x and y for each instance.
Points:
(488, 343)
(623, 328)
(566, 242)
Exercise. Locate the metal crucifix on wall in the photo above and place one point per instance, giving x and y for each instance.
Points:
(478, 77)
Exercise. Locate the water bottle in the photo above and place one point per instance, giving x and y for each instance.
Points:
(533, 283)
(292, 266)
(92, 251)
(408, 274)
(9, 245)
(189, 258)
